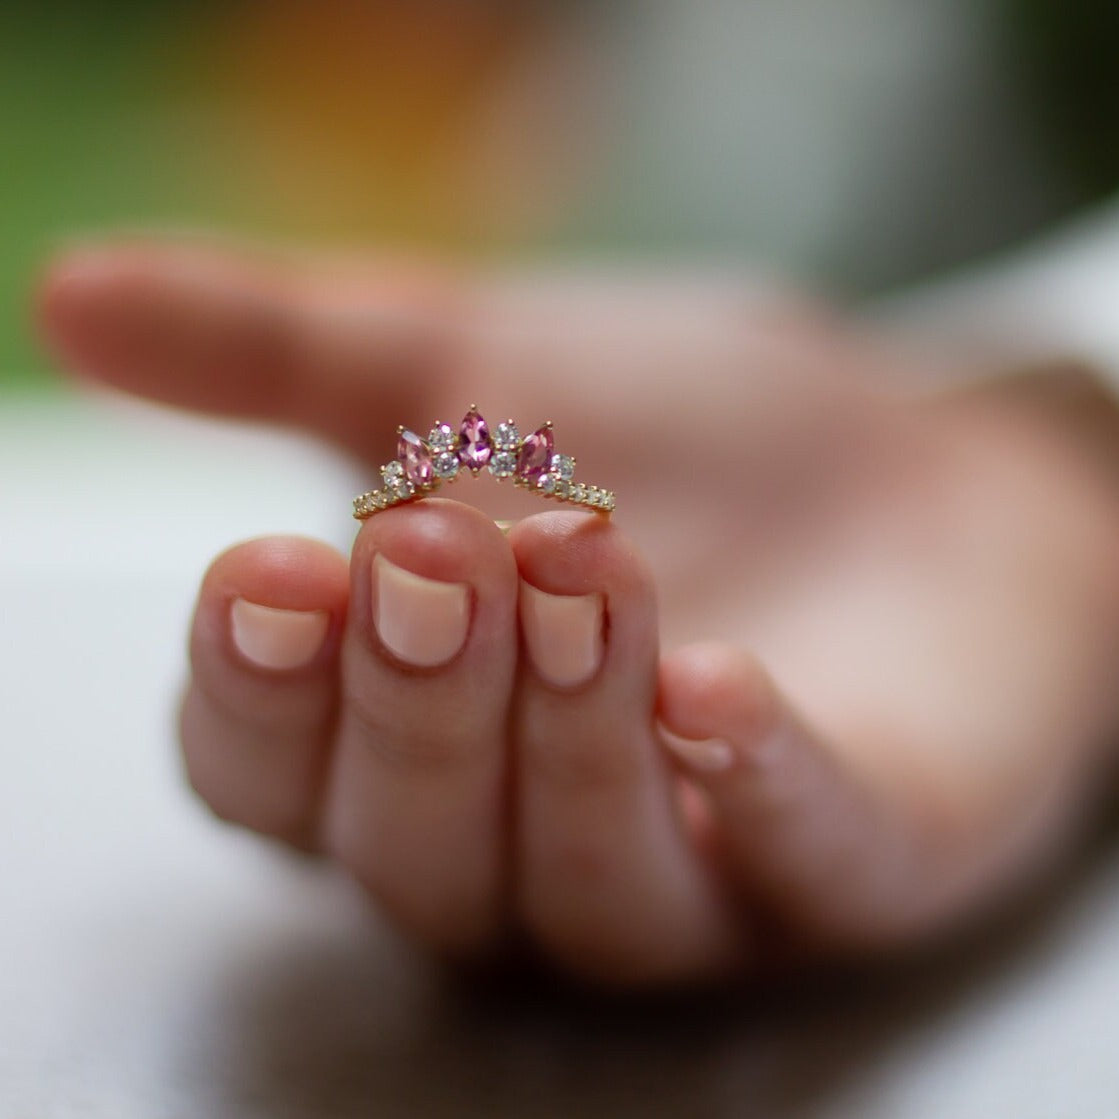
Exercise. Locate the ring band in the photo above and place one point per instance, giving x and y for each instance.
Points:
(421, 466)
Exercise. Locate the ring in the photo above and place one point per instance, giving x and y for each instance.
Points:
(421, 466)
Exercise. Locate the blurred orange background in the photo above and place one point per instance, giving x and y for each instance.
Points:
(852, 146)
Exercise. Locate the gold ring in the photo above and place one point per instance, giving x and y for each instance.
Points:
(422, 466)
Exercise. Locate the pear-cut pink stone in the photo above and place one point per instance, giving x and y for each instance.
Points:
(416, 459)
(474, 445)
(536, 454)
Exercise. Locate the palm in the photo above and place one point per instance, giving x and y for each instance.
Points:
(870, 548)
(929, 584)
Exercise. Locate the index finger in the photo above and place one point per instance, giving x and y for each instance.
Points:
(325, 349)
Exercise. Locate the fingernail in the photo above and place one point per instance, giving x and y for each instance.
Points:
(277, 639)
(708, 755)
(563, 633)
(421, 621)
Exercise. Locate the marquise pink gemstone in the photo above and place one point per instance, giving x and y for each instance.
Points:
(474, 446)
(536, 454)
(415, 458)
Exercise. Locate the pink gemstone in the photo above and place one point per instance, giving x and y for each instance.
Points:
(416, 459)
(536, 454)
(474, 446)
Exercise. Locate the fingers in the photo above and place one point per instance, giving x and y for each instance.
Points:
(259, 714)
(798, 830)
(605, 878)
(417, 791)
(248, 336)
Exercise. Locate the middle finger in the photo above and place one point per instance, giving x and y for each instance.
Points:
(415, 804)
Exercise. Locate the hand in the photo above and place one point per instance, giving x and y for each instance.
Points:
(909, 611)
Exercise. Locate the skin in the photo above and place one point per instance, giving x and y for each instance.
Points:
(907, 609)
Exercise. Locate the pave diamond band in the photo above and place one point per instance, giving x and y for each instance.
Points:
(421, 466)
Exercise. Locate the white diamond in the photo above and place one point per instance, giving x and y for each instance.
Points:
(547, 483)
(392, 473)
(503, 464)
(563, 488)
(403, 490)
(608, 501)
(441, 438)
(564, 466)
(578, 492)
(380, 499)
(446, 465)
(506, 437)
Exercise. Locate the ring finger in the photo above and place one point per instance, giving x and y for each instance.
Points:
(608, 880)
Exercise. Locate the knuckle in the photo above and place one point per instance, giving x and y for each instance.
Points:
(419, 744)
(584, 765)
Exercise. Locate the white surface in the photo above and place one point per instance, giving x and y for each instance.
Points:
(1058, 294)
(154, 963)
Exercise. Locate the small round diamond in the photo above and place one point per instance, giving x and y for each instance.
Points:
(392, 472)
(563, 489)
(503, 464)
(442, 438)
(546, 483)
(403, 490)
(578, 492)
(380, 499)
(608, 502)
(446, 465)
(506, 437)
(564, 466)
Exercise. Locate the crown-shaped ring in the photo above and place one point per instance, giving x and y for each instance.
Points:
(422, 466)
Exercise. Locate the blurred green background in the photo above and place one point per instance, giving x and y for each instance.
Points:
(356, 122)
(91, 120)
